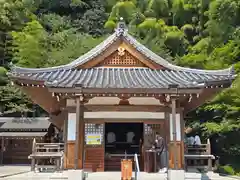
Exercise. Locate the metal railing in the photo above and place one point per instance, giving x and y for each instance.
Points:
(137, 169)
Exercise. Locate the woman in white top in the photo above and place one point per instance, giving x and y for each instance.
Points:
(197, 140)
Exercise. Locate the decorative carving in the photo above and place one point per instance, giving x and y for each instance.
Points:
(164, 99)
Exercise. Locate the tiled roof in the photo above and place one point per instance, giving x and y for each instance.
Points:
(103, 77)
(18, 123)
(120, 33)
(22, 134)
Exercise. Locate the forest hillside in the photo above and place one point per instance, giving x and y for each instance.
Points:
(193, 33)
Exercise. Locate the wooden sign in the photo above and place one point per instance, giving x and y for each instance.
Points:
(126, 169)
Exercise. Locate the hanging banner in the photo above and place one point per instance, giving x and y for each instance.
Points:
(93, 139)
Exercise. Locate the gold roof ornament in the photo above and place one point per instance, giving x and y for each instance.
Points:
(121, 51)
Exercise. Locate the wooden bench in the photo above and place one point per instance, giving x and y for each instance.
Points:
(46, 156)
(199, 157)
(198, 161)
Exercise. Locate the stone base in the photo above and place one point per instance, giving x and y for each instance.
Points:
(175, 174)
(76, 174)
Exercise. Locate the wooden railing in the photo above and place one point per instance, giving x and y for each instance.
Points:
(46, 155)
(198, 156)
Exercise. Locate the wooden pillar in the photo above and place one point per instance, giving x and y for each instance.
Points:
(33, 163)
(65, 137)
(209, 153)
(174, 132)
(2, 149)
(182, 126)
(77, 138)
(176, 144)
(80, 134)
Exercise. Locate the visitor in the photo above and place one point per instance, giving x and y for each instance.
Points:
(197, 140)
(191, 140)
(161, 153)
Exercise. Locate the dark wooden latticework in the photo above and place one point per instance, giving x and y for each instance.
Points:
(150, 131)
(94, 154)
(121, 60)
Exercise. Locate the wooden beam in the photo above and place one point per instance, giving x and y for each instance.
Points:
(114, 91)
(120, 108)
(99, 121)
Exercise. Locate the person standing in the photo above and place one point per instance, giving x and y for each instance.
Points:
(161, 153)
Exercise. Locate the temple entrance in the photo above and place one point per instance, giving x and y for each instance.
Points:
(122, 139)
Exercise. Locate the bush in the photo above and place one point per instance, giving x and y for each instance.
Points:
(227, 169)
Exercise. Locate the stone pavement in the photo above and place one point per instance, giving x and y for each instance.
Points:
(9, 170)
(111, 176)
(23, 173)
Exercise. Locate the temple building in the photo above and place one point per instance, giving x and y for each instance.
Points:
(116, 97)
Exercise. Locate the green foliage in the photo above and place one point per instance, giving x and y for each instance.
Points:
(124, 9)
(110, 24)
(157, 46)
(29, 47)
(227, 169)
(3, 76)
(68, 46)
(159, 8)
(94, 18)
(176, 42)
(55, 23)
(13, 100)
(223, 19)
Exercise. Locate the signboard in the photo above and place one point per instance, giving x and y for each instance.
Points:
(93, 139)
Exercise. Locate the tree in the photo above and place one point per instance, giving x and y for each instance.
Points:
(29, 45)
